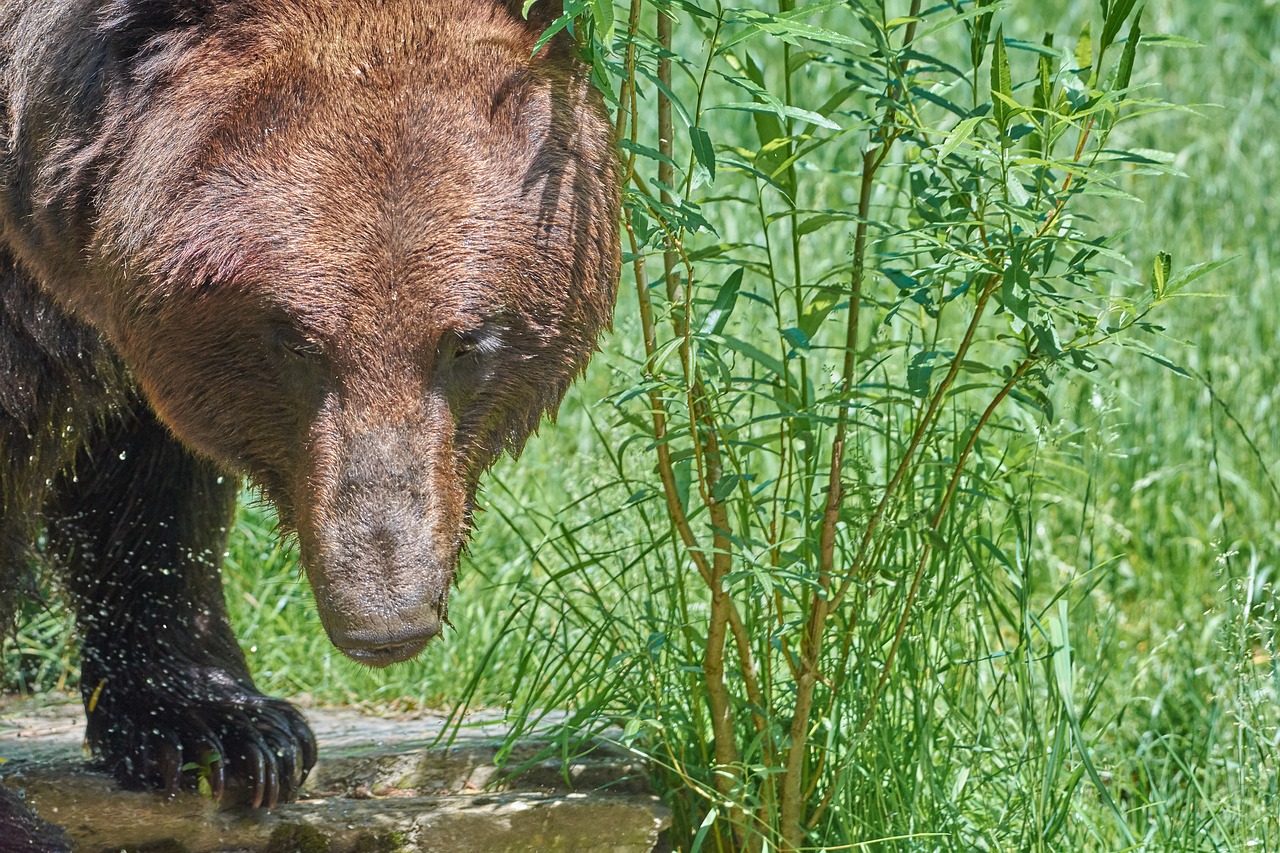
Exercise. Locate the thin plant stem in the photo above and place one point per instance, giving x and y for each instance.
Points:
(819, 603)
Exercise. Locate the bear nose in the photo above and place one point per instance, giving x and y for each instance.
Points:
(399, 639)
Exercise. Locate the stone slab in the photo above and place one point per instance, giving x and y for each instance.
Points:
(381, 785)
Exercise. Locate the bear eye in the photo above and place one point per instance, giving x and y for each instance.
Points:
(466, 345)
(470, 346)
(461, 345)
(297, 345)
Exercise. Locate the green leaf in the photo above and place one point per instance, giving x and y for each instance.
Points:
(1047, 339)
(1194, 272)
(1084, 48)
(703, 151)
(1001, 84)
(1063, 676)
(813, 223)
(796, 337)
(1015, 289)
(724, 487)
(726, 299)
(701, 835)
(559, 24)
(1164, 362)
(1125, 72)
(775, 146)
(768, 125)
(1041, 49)
(787, 27)
(644, 151)
(1035, 399)
(782, 110)
(1018, 195)
(979, 34)
(772, 365)
(602, 14)
(834, 102)
(1160, 40)
(773, 160)
(693, 8)
(682, 471)
(959, 134)
(1161, 269)
(1115, 19)
(1044, 78)
(935, 98)
(1042, 99)
(801, 58)
(921, 368)
(818, 309)
(1060, 639)
(676, 103)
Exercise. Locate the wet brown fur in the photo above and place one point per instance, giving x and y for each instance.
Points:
(350, 249)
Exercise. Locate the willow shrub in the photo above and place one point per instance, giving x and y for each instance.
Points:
(861, 257)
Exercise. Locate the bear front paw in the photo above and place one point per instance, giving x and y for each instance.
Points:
(247, 749)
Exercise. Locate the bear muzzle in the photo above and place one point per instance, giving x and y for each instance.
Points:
(378, 615)
(382, 553)
(392, 641)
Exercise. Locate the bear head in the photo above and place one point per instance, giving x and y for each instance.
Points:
(356, 251)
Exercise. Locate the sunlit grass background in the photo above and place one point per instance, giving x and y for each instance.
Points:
(1171, 496)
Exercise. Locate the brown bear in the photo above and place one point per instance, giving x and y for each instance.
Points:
(350, 250)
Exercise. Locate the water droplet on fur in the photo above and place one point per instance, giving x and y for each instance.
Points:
(221, 480)
(123, 454)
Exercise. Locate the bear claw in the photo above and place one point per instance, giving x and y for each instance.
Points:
(257, 756)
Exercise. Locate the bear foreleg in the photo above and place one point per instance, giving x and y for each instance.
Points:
(139, 526)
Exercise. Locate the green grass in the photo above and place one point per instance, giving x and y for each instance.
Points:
(1157, 527)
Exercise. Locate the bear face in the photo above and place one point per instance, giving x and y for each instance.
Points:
(354, 252)
(372, 289)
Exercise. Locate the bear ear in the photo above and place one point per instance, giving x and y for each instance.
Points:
(128, 25)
